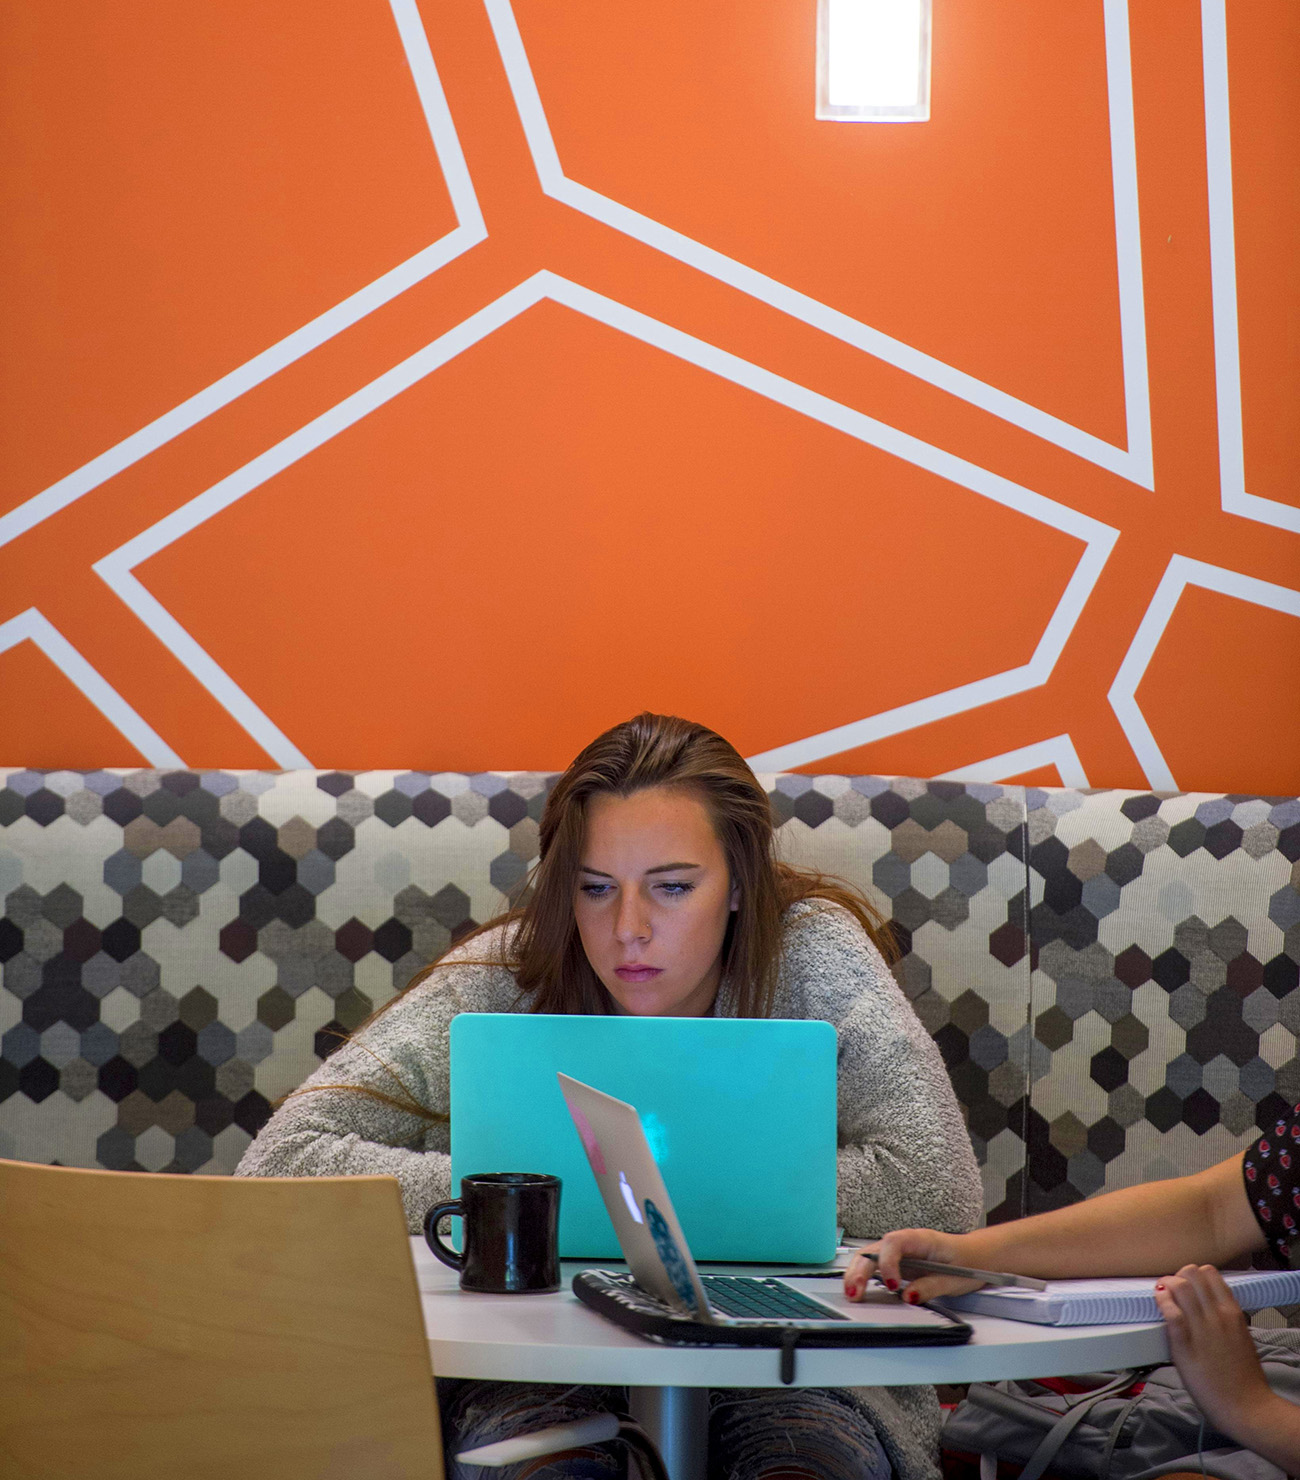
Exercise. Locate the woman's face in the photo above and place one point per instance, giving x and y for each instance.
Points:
(653, 900)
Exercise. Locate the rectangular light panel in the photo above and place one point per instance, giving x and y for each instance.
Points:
(873, 60)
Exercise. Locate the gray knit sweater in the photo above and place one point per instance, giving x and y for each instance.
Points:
(904, 1157)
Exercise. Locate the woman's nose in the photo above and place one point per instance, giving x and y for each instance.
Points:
(633, 922)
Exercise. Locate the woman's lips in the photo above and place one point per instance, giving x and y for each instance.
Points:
(637, 973)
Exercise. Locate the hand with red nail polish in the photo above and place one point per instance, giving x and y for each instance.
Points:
(1194, 1225)
(1210, 1342)
(886, 1257)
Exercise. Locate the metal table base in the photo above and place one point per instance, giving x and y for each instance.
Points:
(677, 1419)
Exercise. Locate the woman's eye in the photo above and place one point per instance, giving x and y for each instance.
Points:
(675, 890)
(594, 891)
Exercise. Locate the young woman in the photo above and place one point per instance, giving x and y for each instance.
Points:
(1248, 1204)
(657, 893)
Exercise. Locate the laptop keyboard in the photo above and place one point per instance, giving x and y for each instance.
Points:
(758, 1299)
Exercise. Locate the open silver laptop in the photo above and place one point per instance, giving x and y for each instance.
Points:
(666, 1299)
(651, 1238)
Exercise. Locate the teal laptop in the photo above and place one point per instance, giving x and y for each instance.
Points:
(739, 1113)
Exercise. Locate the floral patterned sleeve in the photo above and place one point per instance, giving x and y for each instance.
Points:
(1272, 1171)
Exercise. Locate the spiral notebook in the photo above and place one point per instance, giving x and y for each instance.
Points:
(1117, 1301)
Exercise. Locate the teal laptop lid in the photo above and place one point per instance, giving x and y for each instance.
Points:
(739, 1113)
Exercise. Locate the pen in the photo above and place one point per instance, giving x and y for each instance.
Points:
(959, 1271)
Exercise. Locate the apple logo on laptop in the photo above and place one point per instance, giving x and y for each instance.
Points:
(629, 1198)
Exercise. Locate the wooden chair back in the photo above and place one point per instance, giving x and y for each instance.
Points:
(155, 1327)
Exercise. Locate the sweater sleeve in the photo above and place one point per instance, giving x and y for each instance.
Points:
(330, 1126)
(905, 1159)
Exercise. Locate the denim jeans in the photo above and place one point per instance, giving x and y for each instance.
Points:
(754, 1434)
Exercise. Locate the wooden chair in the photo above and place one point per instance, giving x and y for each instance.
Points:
(222, 1328)
(187, 1327)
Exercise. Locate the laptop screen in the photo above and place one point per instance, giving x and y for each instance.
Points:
(739, 1115)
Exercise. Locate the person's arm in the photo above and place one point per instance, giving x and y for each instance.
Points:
(1151, 1229)
(904, 1155)
(1209, 1340)
(331, 1126)
(1191, 1224)
(334, 1125)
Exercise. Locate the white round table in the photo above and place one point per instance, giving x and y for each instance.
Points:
(554, 1338)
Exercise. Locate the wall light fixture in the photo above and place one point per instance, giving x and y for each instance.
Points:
(873, 60)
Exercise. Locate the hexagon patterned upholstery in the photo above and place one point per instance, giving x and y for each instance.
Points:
(1113, 977)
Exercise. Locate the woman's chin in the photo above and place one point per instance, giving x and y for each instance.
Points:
(641, 1001)
(661, 999)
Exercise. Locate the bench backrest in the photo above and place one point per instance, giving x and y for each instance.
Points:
(1113, 977)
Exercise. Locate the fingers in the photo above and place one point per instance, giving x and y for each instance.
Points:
(1199, 1309)
(1165, 1302)
(861, 1272)
(1167, 1294)
(1215, 1294)
(891, 1252)
(918, 1243)
(925, 1288)
(1211, 1345)
(905, 1243)
(1185, 1291)
(1178, 1296)
(1200, 1293)
(931, 1285)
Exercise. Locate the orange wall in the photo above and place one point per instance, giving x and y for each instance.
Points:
(433, 385)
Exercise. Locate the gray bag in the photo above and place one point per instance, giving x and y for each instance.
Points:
(1132, 1425)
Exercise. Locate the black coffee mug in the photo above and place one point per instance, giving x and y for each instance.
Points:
(512, 1232)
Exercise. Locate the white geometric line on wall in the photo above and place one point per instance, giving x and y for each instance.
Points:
(1223, 282)
(1180, 573)
(118, 568)
(1133, 463)
(34, 626)
(1099, 539)
(468, 232)
(1059, 751)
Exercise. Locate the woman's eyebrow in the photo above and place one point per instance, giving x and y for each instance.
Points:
(659, 868)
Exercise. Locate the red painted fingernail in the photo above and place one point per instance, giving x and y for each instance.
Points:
(855, 1291)
(911, 1297)
(1160, 1287)
(891, 1284)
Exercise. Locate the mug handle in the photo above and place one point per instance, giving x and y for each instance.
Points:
(432, 1218)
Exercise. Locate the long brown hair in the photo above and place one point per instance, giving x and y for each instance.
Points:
(542, 947)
